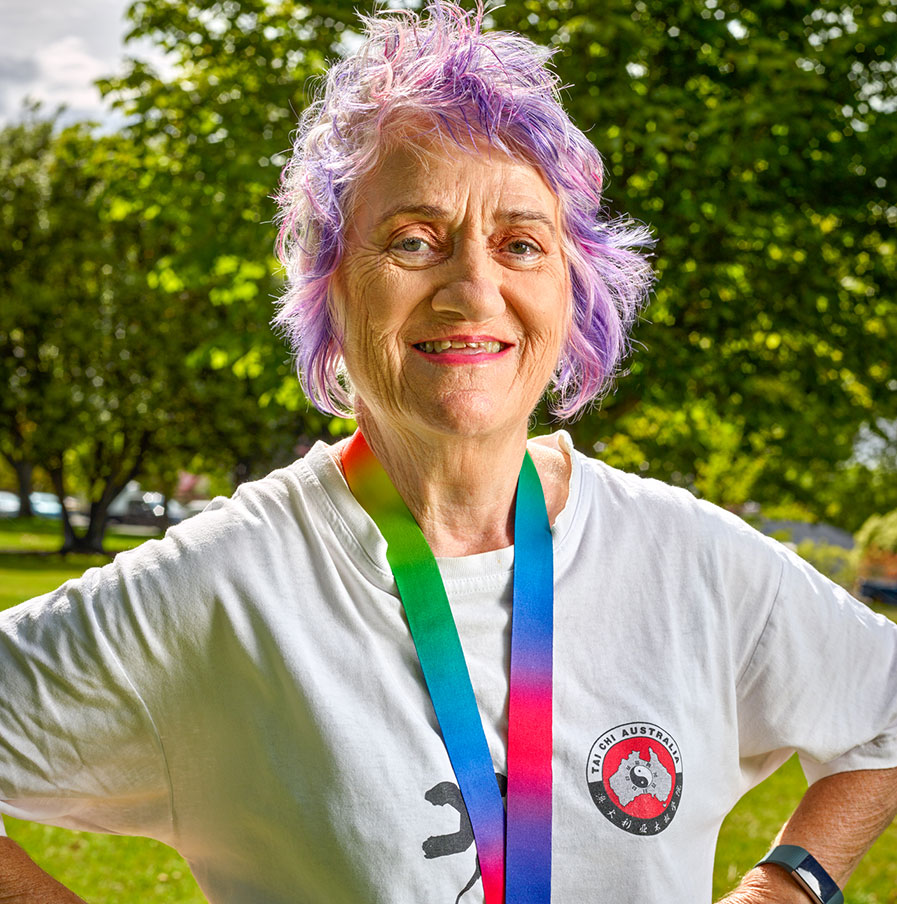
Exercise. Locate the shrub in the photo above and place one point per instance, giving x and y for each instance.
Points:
(835, 562)
(877, 546)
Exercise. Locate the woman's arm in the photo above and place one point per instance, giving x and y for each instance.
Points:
(837, 821)
(22, 881)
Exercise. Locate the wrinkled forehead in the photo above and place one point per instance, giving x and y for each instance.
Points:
(432, 171)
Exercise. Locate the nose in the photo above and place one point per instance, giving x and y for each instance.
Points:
(472, 289)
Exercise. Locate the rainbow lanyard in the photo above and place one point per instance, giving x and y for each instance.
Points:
(516, 870)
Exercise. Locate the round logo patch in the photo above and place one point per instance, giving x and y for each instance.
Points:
(635, 777)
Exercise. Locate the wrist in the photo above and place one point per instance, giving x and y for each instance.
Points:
(766, 883)
(807, 872)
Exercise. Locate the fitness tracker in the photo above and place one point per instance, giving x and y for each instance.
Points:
(807, 872)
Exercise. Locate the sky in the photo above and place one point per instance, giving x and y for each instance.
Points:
(54, 49)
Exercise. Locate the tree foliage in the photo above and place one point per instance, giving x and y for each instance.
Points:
(757, 140)
(104, 365)
(215, 129)
(137, 296)
(23, 193)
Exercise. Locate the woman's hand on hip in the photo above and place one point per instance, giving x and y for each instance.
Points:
(22, 881)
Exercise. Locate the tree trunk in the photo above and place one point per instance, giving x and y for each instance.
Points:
(24, 471)
(69, 539)
(240, 473)
(96, 529)
(92, 540)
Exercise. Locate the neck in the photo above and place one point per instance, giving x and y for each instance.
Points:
(460, 489)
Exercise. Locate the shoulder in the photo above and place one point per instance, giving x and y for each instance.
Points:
(670, 517)
(277, 500)
(636, 494)
(235, 538)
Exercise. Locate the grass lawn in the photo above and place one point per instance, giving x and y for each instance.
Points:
(102, 869)
(24, 573)
(109, 870)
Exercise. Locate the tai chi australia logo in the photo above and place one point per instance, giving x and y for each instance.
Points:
(635, 777)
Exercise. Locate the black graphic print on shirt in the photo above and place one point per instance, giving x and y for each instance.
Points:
(448, 794)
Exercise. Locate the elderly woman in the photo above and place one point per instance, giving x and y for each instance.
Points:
(322, 689)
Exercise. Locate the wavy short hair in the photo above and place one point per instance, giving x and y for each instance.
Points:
(438, 71)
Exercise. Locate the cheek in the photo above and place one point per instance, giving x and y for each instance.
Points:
(550, 317)
(368, 298)
(364, 303)
(547, 326)
(562, 306)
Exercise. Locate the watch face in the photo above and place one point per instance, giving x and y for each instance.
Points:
(815, 879)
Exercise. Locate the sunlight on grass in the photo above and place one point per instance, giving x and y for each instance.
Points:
(107, 869)
(45, 535)
(19, 583)
(30, 564)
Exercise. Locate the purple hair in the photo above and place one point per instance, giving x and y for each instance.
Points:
(439, 72)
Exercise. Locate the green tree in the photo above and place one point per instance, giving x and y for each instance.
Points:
(39, 217)
(85, 382)
(106, 360)
(214, 129)
(24, 191)
(757, 139)
(754, 138)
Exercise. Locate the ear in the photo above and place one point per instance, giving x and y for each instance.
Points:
(336, 306)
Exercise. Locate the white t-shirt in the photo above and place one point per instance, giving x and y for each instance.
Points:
(246, 690)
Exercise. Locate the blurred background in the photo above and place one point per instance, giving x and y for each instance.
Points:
(137, 279)
(138, 372)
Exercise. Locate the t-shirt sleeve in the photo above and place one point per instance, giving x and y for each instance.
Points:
(78, 746)
(109, 684)
(822, 678)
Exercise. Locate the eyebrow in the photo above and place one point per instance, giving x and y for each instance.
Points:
(432, 212)
(425, 211)
(529, 216)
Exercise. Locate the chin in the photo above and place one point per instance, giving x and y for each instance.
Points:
(470, 414)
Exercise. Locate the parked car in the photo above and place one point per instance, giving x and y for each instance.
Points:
(44, 505)
(880, 591)
(9, 504)
(136, 506)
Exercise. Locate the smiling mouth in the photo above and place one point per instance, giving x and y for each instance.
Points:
(489, 346)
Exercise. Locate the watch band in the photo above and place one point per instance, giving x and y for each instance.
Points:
(807, 872)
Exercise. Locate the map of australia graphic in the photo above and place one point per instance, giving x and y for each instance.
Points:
(635, 776)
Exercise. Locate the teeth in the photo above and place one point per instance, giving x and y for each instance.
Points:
(442, 345)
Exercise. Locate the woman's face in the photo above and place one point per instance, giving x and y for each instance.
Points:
(453, 295)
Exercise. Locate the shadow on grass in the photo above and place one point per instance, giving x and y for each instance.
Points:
(40, 560)
(40, 540)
